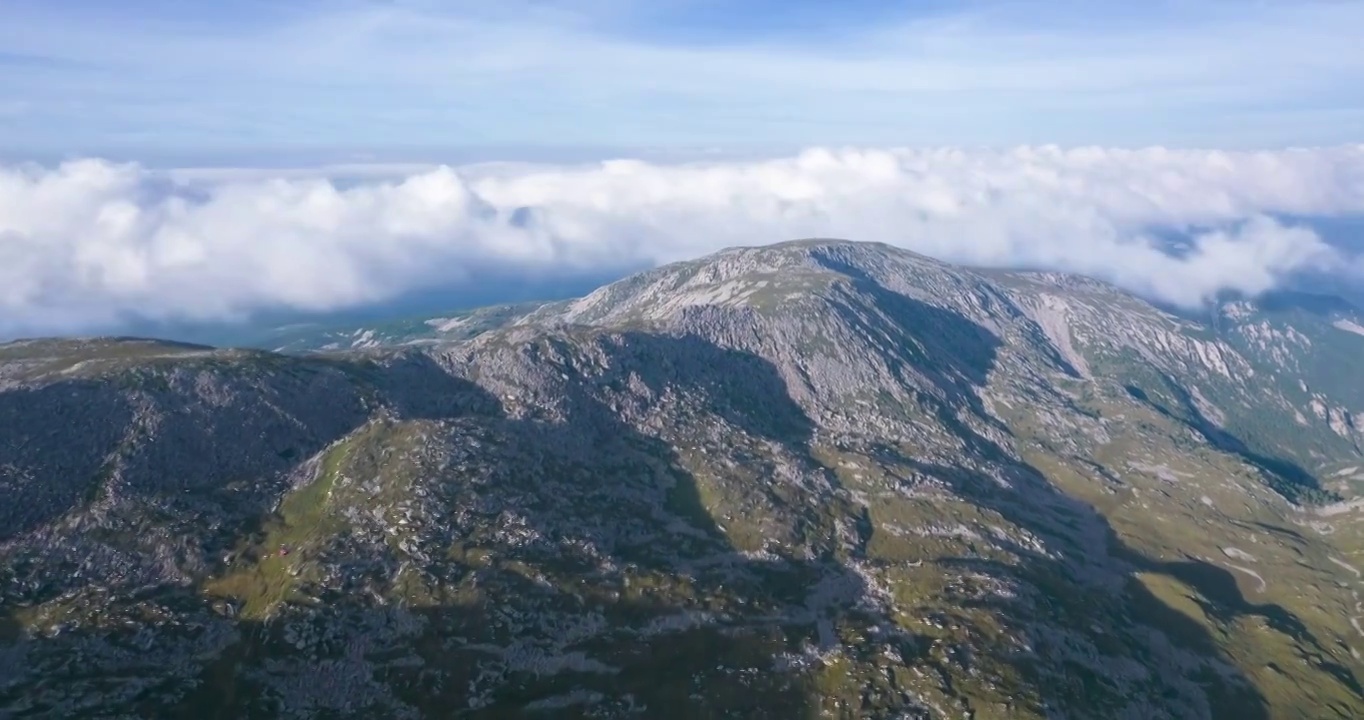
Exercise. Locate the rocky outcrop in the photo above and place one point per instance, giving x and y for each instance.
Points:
(819, 478)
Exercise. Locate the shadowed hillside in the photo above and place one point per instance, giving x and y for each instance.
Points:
(819, 479)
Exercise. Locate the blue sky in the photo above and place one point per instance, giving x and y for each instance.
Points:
(243, 80)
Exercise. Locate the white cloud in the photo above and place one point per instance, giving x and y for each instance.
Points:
(88, 243)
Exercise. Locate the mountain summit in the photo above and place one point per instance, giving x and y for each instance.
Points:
(813, 479)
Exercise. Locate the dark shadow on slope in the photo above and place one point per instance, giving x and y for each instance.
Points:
(955, 354)
(1071, 593)
(10, 629)
(587, 491)
(742, 389)
(1222, 598)
(1034, 503)
(414, 386)
(1040, 512)
(574, 475)
(950, 348)
(186, 433)
(164, 467)
(44, 470)
(1283, 475)
(1226, 602)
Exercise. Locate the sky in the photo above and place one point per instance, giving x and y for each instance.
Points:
(204, 162)
(249, 79)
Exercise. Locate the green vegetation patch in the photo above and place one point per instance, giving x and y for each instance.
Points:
(277, 563)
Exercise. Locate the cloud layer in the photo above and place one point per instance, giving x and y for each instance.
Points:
(89, 244)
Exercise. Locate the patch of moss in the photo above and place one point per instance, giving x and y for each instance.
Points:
(287, 540)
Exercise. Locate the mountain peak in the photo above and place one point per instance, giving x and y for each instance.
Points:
(794, 480)
(767, 278)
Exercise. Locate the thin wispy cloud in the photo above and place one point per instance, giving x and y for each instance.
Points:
(90, 244)
(375, 74)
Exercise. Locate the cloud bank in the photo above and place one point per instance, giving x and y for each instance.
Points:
(89, 244)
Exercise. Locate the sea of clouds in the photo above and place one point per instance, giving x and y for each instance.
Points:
(90, 244)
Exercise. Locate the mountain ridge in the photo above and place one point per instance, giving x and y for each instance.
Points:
(818, 479)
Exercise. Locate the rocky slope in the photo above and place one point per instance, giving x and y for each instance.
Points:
(816, 479)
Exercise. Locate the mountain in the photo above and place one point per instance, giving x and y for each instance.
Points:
(461, 325)
(813, 479)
